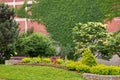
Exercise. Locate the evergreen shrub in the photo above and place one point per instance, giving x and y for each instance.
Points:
(88, 58)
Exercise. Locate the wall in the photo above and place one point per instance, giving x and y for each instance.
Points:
(25, 24)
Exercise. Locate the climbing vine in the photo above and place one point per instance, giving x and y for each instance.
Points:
(60, 16)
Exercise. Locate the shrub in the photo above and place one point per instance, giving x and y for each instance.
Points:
(31, 60)
(46, 60)
(114, 70)
(88, 58)
(38, 45)
(82, 68)
(71, 66)
(35, 60)
(105, 70)
(60, 61)
(26, 60)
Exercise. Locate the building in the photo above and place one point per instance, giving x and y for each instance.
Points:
(24, 23)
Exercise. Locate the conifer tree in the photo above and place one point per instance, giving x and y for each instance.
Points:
(8, 32)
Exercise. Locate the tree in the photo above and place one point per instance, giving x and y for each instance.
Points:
(93, 35)
(8, 32)
(115, 42)
(90, 35)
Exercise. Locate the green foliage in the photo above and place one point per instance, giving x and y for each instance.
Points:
(21, 12)
(83, 68)
(8, 32)
(115, 42)
(20, 44)
(60, 61)
(26, 60)
(35, 60)
(89, 35)
(46, 60)
(60, 16)
(88, 58)
(35, 45)
(71, 66)
(105, 70)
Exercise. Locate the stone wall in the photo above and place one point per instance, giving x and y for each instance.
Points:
(11, 62)
(89, 76)
(115, 60)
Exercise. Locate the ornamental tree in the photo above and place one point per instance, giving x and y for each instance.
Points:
(93, 35)
(8, 32)
(90, 35)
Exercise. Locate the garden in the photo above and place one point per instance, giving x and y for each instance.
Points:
(77, 37)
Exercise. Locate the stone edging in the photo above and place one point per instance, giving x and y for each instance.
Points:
(90, 76)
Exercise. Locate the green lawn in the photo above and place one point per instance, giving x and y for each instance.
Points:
(14, 72)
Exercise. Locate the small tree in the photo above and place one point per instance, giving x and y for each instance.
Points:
(88, 36)
(8, 32)
(93, 35)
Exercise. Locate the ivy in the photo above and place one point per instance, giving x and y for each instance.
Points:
(21, 12)
(60, 16)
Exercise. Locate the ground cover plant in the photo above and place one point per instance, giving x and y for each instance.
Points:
(36, 73)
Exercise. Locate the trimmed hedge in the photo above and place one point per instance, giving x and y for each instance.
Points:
(105, 70)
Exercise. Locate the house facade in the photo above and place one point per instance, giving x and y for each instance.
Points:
(25, 24)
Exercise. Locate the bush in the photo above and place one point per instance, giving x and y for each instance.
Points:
(46, 60)
(83, 68)
(35, 45)
(105, 70)
(88, 58)
(60, 61)
(31, 60)
(36, 60)
(71, 66)
(26, 60)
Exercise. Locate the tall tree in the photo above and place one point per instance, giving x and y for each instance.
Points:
(8, 32)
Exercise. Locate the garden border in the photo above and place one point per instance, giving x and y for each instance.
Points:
(90, 76)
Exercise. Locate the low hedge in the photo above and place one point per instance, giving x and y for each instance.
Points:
(31, 60)
(41, 60)
(105, 70)
(83, 68)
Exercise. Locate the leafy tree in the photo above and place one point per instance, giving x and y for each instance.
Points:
(8, 32)
(60, 16)
(115, 42)
(93, 35)
(89, 35)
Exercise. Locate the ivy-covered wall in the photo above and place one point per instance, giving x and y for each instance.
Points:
(60, 16)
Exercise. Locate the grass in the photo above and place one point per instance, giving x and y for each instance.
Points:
(15, 72)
